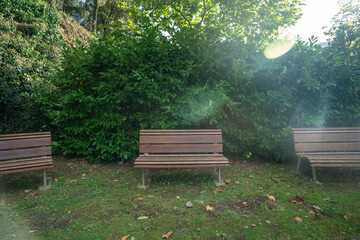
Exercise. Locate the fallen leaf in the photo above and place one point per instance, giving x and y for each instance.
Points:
(26, 198)
(250, 176)
(298, 219)
(96, 218)
(73, 181)
(227, 181)
(139, 198)
(125, 237)
(208, 208)
(253, 225)
(66, 183)
(216, 191)
(296, 201)
(306, 216)
(94, 167)
(56, 179)
(167, 235)
(271, 197)
(312, 212)
(217, 215)
(346, 216)
(326, 199)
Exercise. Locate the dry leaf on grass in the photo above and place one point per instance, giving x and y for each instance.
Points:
(299, 219)
(208, 208)
(253, 225)
(312, 212)
(125, 237)
(346, 216)
(167, 235)
(250, 176)
(56, 179)
(139, 199)
(296, 201)
(216, 191)
(271, 197)
(73, 181)
(227, 181)
(217, 215)
(326, 199)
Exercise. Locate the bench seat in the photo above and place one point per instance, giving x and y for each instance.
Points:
(181, 161)
(181, 149)
(328, 147)
(25, 152)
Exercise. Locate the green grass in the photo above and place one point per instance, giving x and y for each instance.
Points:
(103, 204)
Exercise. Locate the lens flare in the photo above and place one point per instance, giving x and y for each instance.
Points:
(278, 48)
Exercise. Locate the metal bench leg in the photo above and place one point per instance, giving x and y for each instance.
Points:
(219, 175)
(214, 170)
(44, 177)
(314, 173)
(143, 177)
(298, 165)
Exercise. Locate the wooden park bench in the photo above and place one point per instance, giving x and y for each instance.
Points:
(181, 149)
(25, 152)
(327, 147)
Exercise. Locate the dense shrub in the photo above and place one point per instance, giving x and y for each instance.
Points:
(28, 39)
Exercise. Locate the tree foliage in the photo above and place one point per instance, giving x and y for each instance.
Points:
(28, 39)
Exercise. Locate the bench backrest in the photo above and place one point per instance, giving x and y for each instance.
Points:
(180, 141)
(326, 139)
(25, 150)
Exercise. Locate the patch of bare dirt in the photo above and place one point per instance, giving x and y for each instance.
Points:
(49, 219)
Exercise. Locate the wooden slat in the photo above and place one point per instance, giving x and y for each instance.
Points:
(181, 148)
(329, 157)
(25, 143)
(25, 153)
(323, 147)
(181, 139)
(25, 170)
(36, 164)
(182, 166)
(179, 131)
(154, 155)
(328, 137)
(6, 137)
(182, 159)
(335, 165)
(336, 129)
(335, 161)
(179, 162)
(27, 161)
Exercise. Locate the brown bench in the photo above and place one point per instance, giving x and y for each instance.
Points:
(181, 149)
(327, 147)
(25, 152)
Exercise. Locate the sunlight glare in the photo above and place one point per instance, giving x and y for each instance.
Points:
(278, 48)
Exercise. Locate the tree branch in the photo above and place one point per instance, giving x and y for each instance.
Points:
(187, 20)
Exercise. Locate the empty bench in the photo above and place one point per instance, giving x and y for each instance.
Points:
(25, 152)
(327, 147)
(181, 149)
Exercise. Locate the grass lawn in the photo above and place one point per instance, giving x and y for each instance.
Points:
(103, 202)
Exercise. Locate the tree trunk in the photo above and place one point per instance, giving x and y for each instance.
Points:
(95, 13)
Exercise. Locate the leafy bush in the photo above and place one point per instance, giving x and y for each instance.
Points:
(28, 34)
